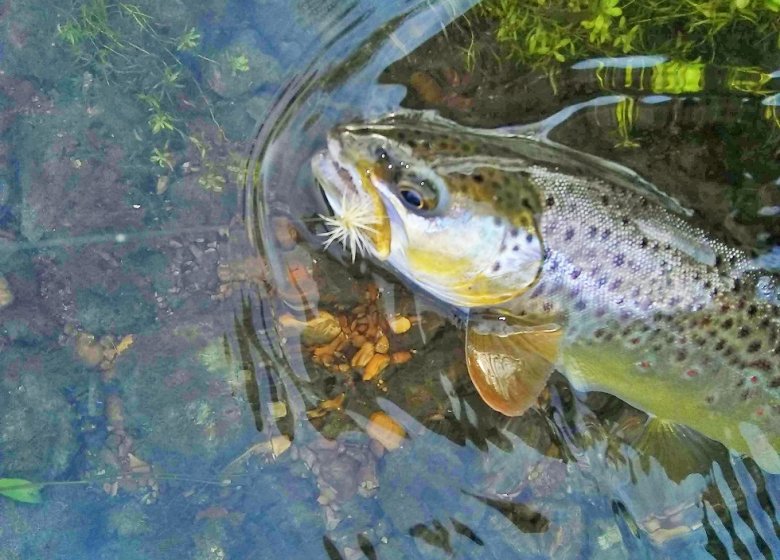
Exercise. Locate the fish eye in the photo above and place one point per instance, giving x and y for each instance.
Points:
(381, 153)
(416, 193)
(412, 198)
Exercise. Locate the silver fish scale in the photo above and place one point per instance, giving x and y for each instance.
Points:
(608, 250)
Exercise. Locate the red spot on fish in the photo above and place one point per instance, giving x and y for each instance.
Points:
(691, 373)
(759, 412)
(754, 379)
(644, 364)
(634, 341)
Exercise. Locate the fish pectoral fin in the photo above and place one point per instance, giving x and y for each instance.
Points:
(510, 362)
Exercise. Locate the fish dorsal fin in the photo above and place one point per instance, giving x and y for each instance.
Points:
(510, 361)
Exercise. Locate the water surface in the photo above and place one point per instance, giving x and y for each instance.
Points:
(158, 224)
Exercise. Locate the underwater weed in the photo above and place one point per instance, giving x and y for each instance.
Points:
(130, 44)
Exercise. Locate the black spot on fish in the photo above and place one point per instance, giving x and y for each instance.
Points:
(681, 355)
(763, 365)
(575, 273)
(754, 346)
(624, 221)
(592, 231)
(496, 267)
(529, 238)
(774, 383)
(718, 261)
(550, 202)
(478, 177)
(709, 399)
(616, 284)
(605, 200)
(752, 310)
(514, 232)
(728, 323)
(497, 220)
(602, 281)
(516, 248)
(720, 345)
(569, 235)
(643, 243)
(619, 259)
(743, 332)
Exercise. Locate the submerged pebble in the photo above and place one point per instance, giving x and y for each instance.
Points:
(382, 428)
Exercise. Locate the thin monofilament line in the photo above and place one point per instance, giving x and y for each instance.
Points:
(351, 226)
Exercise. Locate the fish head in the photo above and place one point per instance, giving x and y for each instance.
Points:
(435, 209)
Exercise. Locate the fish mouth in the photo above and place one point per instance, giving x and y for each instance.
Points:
(342, 183)
(335, 181)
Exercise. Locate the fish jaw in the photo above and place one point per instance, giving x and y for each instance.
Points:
(359, 217)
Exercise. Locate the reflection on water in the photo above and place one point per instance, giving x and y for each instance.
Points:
(204, 380)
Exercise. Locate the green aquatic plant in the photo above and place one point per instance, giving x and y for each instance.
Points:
(160, 122)
(189, 40)
(129, 46)
(162, 157)
(20, 490)
(541, 33)
(239, 63)
(26, 491)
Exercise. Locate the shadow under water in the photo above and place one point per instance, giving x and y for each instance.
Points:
(409, 461)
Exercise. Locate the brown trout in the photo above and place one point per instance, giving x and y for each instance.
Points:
(564, 260)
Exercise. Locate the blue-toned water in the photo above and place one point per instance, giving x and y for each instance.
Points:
(158, 238)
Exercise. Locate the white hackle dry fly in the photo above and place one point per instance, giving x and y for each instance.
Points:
(350, 227)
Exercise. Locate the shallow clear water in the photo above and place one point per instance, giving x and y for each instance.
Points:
(158, 241)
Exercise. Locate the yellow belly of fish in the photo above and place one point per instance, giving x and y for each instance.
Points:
(609, 368)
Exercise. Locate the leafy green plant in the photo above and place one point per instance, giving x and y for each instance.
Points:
(239, 63)
(20, 490)
(542, 33)
(126, 43)
(189, 40)
(162, 157)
